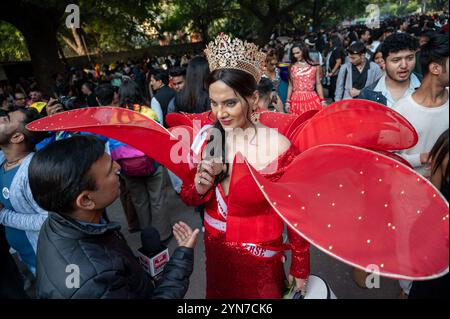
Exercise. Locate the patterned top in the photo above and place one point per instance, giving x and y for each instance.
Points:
(303, 79)
(276, 81)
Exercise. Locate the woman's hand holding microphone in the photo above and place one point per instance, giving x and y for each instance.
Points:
(207, 171)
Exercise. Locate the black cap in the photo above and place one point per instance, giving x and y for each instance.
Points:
(357, 47)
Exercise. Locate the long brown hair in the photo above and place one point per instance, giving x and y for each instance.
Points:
(305, 54)
(438, 154)
(194, 97)
(243, 84)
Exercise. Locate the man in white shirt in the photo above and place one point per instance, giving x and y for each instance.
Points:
(427, 109)
(399, 53)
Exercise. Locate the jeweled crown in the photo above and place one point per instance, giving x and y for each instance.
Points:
(224, 53)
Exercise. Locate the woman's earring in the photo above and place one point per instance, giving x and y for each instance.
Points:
(254, 117)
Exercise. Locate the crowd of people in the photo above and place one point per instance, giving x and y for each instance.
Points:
(403, 65)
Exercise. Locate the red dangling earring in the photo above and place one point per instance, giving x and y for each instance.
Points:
(254, 117)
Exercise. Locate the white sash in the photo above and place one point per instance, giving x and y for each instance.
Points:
(215, 223)
(254, 249)
(222, 206)
(259, 251)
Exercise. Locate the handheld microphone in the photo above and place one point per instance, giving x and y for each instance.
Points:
(153, 256)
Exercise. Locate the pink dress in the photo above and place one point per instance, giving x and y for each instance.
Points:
(304, 97)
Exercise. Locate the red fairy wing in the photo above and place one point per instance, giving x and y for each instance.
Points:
(364, 209)
(286, 124)
(205, 118)
(360, 123)
(396, 157)
(177, 119)
(280, 121)
(300, 122)
(186, 134)
(190, 119)
(183, 132)
(127, 126)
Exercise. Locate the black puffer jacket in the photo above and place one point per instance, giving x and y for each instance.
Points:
(107, 266)
(11, 282)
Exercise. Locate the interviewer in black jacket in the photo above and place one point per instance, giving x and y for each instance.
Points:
(80, 253)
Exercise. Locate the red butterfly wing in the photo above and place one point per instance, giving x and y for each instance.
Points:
(129, 127)
(364, 209)
(360, 123)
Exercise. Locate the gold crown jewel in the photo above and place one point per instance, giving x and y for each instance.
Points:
(224, 53)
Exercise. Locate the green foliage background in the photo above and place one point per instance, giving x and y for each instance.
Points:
(115, 25)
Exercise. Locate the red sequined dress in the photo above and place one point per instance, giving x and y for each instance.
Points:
(242, 269)
(304, 96)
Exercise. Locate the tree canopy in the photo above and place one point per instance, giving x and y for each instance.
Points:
(37, 30)
(108, 26)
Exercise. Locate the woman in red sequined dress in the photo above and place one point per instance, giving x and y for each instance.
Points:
(305, 90)
(243, 235)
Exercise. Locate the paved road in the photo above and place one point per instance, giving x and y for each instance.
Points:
(337, 274)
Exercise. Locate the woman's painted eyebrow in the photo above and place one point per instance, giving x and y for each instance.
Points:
(226, 101)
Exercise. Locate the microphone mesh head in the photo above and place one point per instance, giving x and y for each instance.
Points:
(151, 240)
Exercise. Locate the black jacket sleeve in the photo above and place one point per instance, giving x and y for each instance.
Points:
(175, 280)
(113, 284)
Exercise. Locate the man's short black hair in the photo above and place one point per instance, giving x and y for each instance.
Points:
(398, 42)
(89, 85)
(427, 34)
(30, 138)
(59, 172)
(389, 29)
(377, 34)
(435, 51)
(357, 48)
(177, 71)
(362, 31)
(162, 76)
(265, 87)
(105, 94)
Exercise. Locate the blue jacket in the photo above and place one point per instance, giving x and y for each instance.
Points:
(370, 94)
(344, 82)
(27, 215)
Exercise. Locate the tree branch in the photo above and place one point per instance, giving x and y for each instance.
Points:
(78, 42)
(291, 6)
(252, 9)
(274, 6)
(70, 44)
